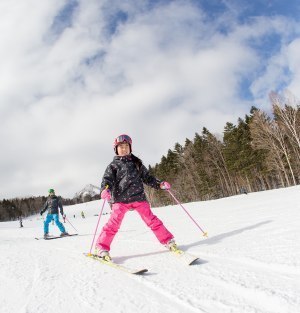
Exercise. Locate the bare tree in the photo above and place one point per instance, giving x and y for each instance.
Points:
(268, 136)
(287, 113)
(216, 158)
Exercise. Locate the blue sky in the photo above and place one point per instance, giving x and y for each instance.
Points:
(75, 74)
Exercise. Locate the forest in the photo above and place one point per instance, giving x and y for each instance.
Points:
(15, 208)
(260, 152)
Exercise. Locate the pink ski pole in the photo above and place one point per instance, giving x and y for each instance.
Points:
(204, 233)
(90, 253)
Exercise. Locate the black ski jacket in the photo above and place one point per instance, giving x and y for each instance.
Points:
(125, 177)
(52, 204)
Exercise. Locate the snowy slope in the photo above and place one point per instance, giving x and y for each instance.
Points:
(250, 261)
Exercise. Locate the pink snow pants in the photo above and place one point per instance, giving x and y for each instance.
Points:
(118, 211)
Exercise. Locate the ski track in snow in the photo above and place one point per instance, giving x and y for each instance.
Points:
(251, 285)
(249, 263)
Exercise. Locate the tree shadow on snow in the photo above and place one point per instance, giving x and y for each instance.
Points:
(216, 239)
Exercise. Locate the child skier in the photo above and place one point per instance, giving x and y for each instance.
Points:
(52, 204)
(122, 185)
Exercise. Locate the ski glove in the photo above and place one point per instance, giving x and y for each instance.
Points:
(41, 212)
(105, 194)
(165, 185)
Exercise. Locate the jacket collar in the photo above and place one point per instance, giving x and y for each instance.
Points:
(123, 158)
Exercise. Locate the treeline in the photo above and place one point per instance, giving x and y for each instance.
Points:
(13, 209)
(259, 153)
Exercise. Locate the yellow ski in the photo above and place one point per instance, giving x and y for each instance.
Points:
(116, 265)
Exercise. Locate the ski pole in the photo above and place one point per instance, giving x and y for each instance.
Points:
(71, 225)
(90, 253)
(204, 233)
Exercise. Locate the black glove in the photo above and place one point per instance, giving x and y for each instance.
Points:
(41, 212)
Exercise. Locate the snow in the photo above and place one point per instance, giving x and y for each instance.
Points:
(250, 261)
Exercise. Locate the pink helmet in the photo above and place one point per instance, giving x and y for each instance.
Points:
(120, 139)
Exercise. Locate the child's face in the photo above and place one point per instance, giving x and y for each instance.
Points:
(123, 149)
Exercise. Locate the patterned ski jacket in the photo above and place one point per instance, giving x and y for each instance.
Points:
(125, 179)
(52, 204)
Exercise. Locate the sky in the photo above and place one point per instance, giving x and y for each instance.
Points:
(76, 74)
(250, 261)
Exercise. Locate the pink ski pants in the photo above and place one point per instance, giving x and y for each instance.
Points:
(110, 229)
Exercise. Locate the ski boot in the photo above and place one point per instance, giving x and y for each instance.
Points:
(103, 254)
(171, 245)
(46, 236)
(63, 234)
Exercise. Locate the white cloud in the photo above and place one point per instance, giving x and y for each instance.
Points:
(161, 76)
(293, 58)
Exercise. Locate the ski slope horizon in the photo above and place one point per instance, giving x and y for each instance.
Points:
(250, 261)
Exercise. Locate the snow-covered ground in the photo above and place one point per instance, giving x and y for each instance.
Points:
(250, 261)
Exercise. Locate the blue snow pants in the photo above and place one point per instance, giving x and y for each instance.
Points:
(48, 220)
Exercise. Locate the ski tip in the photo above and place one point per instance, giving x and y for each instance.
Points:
(140, 272)
(193, 262)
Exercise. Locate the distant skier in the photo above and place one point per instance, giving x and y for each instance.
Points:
(52, 204)
(122, 184)
(82, 214)
(244, 190)
(21, 221)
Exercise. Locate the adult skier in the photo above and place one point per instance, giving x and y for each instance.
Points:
(52, 204)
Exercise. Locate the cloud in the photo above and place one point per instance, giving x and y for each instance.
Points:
(74, 75)
(293, 63)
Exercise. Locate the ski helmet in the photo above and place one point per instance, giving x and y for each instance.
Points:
(120, 139)
(51, 191)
